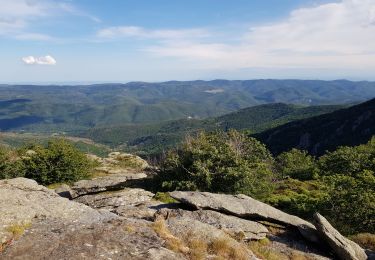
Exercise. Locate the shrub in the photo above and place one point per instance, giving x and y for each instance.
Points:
(10, 165)
(219, 162)
(297, 165)
(351, 203)
(57, 162)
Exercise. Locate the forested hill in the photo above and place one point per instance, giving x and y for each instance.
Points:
(154, 137)
(346, 127)
(72, 108)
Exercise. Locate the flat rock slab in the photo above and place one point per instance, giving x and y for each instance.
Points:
(236, 227)
(245, 207)
(111, 200)
(129, 202)
(24, 201)
(110, 182)
(117, 239)
(344, 248)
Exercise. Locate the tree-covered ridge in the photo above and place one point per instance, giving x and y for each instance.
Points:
(74, 108)
(152, 138)
(349, 126)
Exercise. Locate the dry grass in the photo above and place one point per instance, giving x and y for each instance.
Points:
(224, 248)
(262, 250)
(193, 246)
(129, 228)
(129, 161)
(198, 249)
(298, 256)
(173, 243)
(365, 240)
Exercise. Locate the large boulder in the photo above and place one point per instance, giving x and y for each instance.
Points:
(105, 183)
(344, 248)
(245, 207)
(236, 227)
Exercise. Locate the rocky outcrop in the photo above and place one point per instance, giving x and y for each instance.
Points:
(116, 239)
(23, 200)
(36, 223)
(236, 227)
(344, 248)
(117, 162)
(105, 183)
(128, 223)
(244, 207)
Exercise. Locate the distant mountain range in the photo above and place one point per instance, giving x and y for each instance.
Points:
(79, 108)
(346, 127)
(152, 138)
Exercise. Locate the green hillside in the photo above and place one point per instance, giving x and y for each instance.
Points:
(70, 109)
(151, 138)
(350, 126)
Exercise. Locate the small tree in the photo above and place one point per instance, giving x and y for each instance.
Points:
(58, 161)
(227, 162)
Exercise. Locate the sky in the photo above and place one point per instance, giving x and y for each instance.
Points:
(86, 41)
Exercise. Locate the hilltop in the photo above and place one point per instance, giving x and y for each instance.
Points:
(157, 136)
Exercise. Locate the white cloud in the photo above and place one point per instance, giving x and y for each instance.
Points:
(335, 35)
(44, 60)
(139, 32)
(17, 16)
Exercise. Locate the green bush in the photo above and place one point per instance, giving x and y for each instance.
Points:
(10, 165)
(297, 164)
(58, 161)
(227, 162)
(351, 203)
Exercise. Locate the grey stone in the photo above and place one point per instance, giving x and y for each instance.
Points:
(237, 227)
(344, 248)
(23, 200)
(245, 207)
(116, 239)
(105, 183)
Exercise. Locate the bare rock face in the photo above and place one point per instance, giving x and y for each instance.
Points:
(23, 200)
(36, 223)
(344, 248)
(244, 207)
(116, 239)
(237, 227)
(100, 184)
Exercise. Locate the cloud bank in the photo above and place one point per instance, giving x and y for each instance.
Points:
(338, 35)
(44, 60)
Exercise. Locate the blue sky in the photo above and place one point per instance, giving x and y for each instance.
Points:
(87, 41)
